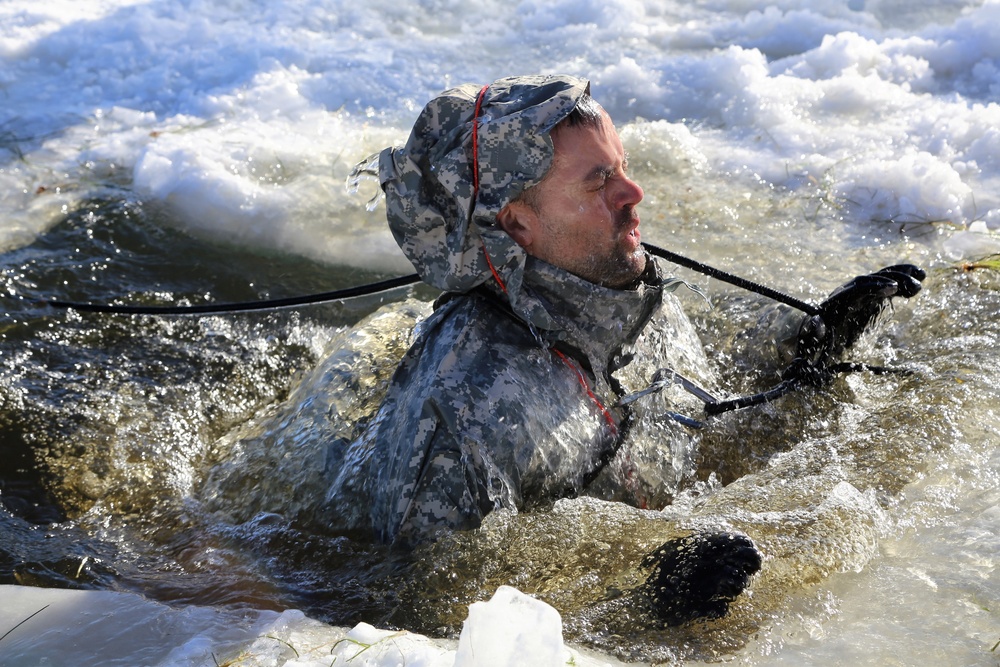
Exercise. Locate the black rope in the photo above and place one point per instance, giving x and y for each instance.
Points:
(776, 392)
(268, 304)
(731, 279)
(392, 283)
(663, 377)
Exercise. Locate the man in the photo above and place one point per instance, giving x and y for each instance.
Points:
(515, 200)
(581, 217)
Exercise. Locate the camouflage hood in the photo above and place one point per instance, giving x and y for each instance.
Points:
(443, 225)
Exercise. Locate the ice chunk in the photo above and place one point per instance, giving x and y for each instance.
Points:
(511, 629)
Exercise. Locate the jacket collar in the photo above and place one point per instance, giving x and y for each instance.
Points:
(598, 322)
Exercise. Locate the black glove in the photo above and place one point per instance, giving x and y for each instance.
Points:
(699, 575)
(849, 311)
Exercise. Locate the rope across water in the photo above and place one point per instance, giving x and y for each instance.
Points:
(393, 283)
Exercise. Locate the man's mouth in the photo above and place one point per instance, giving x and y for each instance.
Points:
(628, 219)
(631, 226)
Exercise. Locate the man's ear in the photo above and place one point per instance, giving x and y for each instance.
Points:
(513, 219)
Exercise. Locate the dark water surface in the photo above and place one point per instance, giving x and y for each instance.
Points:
(107, 422)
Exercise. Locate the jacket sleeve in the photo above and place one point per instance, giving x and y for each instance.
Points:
(436, 431)
(450, 490)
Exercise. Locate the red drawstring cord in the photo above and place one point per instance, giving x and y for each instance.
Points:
(586, 387)
(492, 270)
(475, 178)
(631, 483)
(475, 194)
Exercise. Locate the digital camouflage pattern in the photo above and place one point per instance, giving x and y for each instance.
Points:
(428, 182)
(483, 414)
(507, 396)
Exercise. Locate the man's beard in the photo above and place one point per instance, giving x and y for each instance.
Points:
(617, 270)
(618, 267)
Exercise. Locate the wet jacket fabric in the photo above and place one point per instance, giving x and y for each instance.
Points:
(486, 411)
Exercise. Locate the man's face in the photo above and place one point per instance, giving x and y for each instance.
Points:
(581, 217)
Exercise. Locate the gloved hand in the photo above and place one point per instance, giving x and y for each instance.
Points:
(846, 314)
(699, 575)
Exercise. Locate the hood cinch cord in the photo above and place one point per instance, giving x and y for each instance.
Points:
(618, 431)
(475, 181)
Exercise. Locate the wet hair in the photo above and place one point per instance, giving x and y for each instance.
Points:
(586, 113)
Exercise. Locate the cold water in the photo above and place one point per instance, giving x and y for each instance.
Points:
(173, 153)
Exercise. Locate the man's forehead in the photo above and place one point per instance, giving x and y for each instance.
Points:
(588, 148)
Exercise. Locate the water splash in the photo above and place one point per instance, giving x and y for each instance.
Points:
(366, 170)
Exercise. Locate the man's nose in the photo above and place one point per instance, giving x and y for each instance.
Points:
(629, 193)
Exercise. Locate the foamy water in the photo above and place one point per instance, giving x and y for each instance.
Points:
(238, 122)
(244, 118)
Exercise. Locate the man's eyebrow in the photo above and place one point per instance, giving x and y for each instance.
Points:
(599, 173)
(602, 171)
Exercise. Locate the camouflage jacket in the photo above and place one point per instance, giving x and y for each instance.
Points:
(507, 397)
(485, 411)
